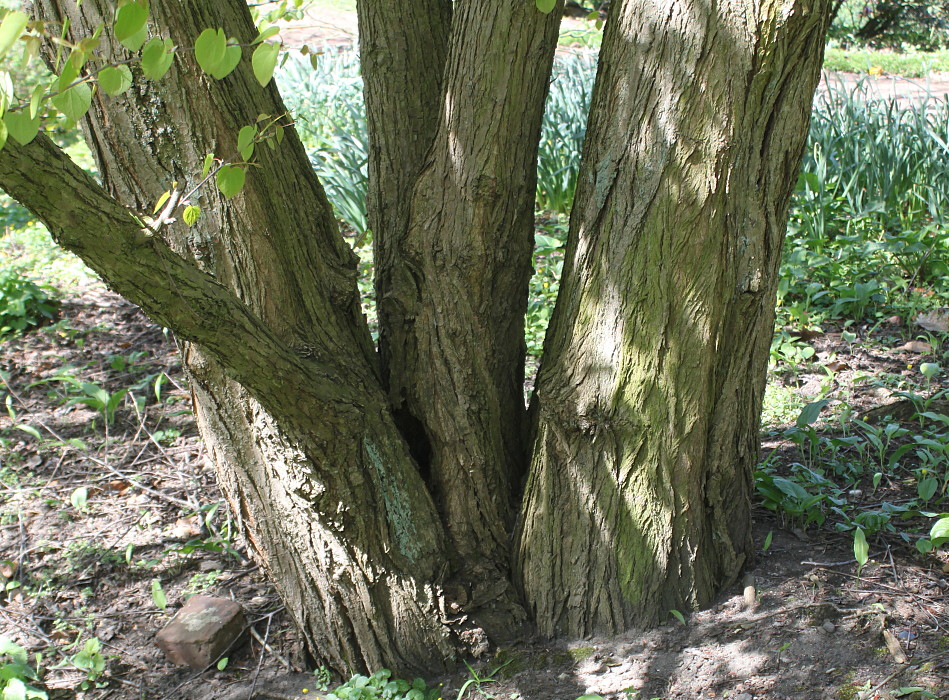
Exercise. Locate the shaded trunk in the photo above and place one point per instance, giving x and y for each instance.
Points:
(454, 139)
(454, 261)
(316, 472)
(649, 395)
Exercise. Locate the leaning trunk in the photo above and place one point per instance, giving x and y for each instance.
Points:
(317, 474)
(648, 399)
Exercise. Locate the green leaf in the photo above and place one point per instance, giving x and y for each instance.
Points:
(158, 594)
(230, 180)
(940, 528)
(29, 430)
(926, 488)
(222, 663)
(75, 102)
(190, 215)
(36, 100)
(3, 134)
(71, 69)
(266, 34)
(245, 141)
(209, 49)
(767, 541)
(20, 127)
(264, 62)
(232, 56)
(165, 196)
(130, 26)
(810, 413)
(14, 689)
(677, 615)
(545, 6)
(79, 497)
(7, 93)
(10, 30)
(115, 80)
(208, 162)
(861, 550)
(157, 57)
(10, 648)
(590, 697)
(929, 369)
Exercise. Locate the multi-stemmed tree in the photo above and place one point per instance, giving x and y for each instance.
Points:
(402, 499)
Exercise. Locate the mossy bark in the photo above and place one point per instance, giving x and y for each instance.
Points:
(649, 395)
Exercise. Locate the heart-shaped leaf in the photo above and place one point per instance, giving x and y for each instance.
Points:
(114, 80)
(20, 127)
(157, 57)
(230, 180)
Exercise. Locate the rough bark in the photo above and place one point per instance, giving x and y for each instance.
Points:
(454, 264)
(649, 396)
(302, 439)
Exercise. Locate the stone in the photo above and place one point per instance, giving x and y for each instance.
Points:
(828, 627)
(201, 631)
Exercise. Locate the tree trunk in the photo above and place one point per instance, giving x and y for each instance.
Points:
(452, 216)
(649, 395)
(316, 472)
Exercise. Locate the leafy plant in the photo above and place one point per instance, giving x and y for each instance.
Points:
(16, 676)
(88, 393)
(23, 303)
(381, 686)
(90, 660)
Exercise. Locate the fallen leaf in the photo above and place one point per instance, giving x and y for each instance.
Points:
(837, 366)
(936, 320)
(894, 647)
(7, 569)
(918, 346)
(186, 528)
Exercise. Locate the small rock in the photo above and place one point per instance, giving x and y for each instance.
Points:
(894, 321)
(828, 626)
(563, 676)
(201, 631)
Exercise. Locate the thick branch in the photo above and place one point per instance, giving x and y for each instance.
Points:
(140, 266)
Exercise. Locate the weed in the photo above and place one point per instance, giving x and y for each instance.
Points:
(16, 675)
(23, 303)
(381, 686)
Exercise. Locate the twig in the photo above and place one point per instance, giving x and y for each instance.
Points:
(265, 645)
(260, 661)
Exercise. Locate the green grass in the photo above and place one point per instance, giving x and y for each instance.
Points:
(911, 64)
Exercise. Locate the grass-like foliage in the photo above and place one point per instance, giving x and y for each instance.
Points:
(866, 226)
(328, 106)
